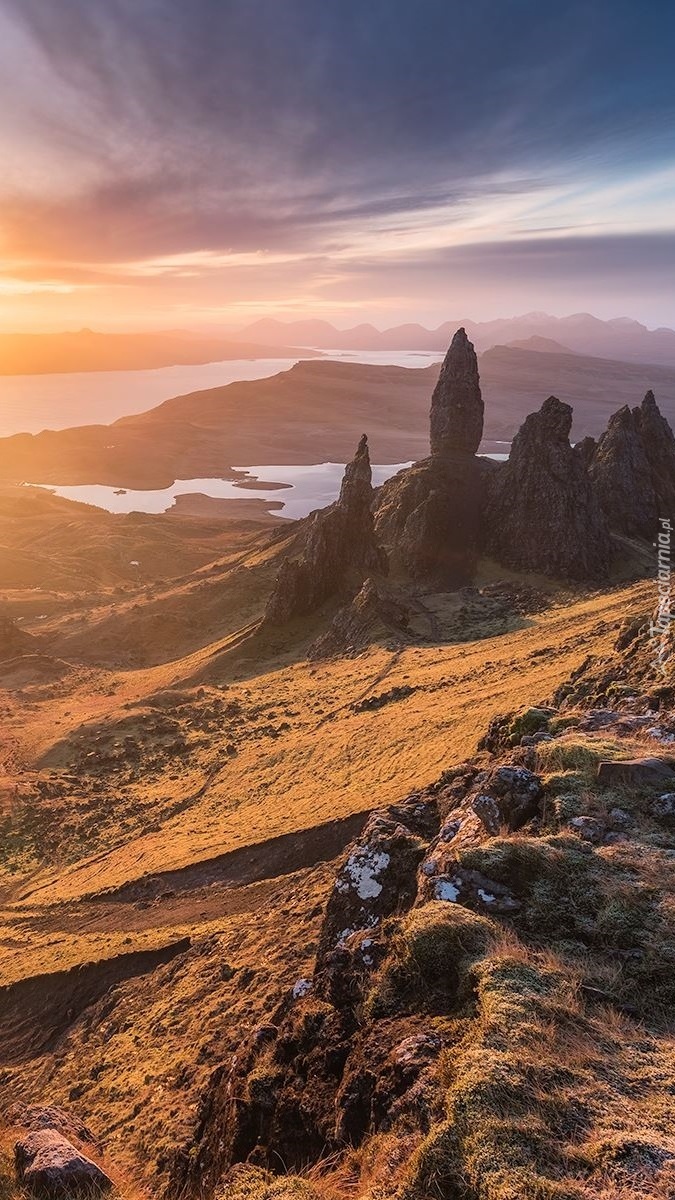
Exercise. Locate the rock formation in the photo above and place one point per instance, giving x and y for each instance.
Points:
(549, 509)
(430, 514)
(456, 417)
(374, 613)
(633, 469)
(339, 540)
(543, 513)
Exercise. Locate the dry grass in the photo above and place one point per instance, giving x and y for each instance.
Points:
(304, 756)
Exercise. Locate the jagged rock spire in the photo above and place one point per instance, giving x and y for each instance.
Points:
(338, 540)
(633, 469)
(356, 491)
(456, 416)
(543, 513)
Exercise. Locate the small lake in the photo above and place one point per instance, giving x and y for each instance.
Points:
(307, 488)
(31, 403)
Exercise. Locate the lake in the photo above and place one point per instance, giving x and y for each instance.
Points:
(308, 487)
(30, 403)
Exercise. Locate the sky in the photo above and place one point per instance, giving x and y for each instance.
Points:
(200, 165)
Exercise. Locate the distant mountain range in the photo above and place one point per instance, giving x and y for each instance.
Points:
(621, 338)
(88, 350)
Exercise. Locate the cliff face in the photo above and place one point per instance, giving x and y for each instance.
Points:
(543, 513)
(633, 470)
(339, 539)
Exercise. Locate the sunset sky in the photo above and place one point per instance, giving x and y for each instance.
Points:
(201, 163)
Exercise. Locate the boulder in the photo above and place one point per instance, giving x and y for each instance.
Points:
(636, 772)
(508, 798)
(49, 1166)
(589, 829)
(337, 541)
(663, 807)
(542, 511)
(48, 1116)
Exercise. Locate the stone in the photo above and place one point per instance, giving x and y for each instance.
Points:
(459, 885)
(588, 828)
(48, 1116)
(456, 417)
(542, 512)
(637, 772)
(508, 798)
(663, 807)
(337, 541)
(378, 876)
(619, 819)
(49, 1166)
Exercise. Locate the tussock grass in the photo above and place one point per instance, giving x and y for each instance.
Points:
(427, 968)
(582, 755)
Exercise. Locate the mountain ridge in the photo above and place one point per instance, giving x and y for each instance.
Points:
(619, 337)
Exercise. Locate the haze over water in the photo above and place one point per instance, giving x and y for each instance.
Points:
(31, 403)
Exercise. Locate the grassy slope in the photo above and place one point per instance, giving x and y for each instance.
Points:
(321, 760)
(303, 757)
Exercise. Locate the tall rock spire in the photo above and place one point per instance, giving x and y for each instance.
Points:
(338, 541)
(456, 416)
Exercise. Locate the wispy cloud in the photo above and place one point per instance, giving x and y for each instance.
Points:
(227, 139)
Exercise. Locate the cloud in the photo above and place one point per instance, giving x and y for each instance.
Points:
(341, 128)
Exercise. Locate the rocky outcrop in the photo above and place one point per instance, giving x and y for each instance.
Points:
(543, 513)
(633, 470)
(413, 1034)
(50, 1167)
(374, 614)
(456, 417)
(430, 515)
(339, 542)
(378, 875)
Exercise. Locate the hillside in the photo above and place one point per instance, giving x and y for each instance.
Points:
(315, 412)
(321, 888)
(217, 789)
